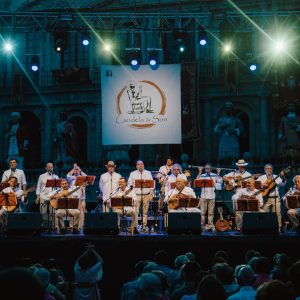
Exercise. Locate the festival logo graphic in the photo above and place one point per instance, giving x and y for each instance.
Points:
(141, 105)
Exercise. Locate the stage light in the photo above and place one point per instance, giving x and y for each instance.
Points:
(85, 39)
(153, 58)
(253, 67)
(61, 41)
(34, 63)
(134, 62)
(279, 46)
(227, 48)
(107, 46)
(203, 42)
(8, 47)
(181, 49)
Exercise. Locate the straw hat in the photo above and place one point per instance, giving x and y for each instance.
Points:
(241, 163)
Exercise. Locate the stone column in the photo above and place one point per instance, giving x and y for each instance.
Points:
(207, 130)
(264, 128)
(97, 147)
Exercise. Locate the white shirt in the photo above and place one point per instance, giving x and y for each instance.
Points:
(278, 181)
(91, 275)
(163, 171)
(209, 192)
(18, 174)
(137, 175)
(173, 178)
(121, 193)
(108, 183)
(41, 190)
(247, 192)
(245, 293)
(18, 192)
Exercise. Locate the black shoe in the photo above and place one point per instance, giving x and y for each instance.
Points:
(135, 231)
(75, 230)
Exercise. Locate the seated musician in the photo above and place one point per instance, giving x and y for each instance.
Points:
(250, 192)
(293, 214)
(15, 189)
(61, 213)
(124, 191)
(180, 191)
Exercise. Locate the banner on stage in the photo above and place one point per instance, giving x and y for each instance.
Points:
(141, 106)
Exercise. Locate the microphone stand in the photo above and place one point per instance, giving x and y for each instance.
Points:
(142, 200)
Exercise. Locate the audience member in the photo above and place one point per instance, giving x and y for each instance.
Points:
(210, 288)
(263, 268)
(149, 287)
(87, 273)
(273, 290)
(294, 275)
(250, 254)
(245, 279)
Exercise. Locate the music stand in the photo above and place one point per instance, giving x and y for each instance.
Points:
(89, 179)
(292, 201)
(203, 183)
(67, 203)
(51, 183)
(244, 204)
(143, 184)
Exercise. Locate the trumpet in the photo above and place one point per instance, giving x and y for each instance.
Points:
(213, 168)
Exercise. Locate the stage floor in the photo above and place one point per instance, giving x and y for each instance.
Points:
(121, 252)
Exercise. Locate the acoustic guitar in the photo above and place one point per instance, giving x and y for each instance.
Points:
(235, 182)
(271, 183)
(11, 208)
(222, 224)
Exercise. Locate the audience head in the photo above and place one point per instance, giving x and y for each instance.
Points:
(223, 254)
(245, 276)
(210, 288)
(223, 272)
(19, 283)
(252, 263)
(180, 261)
(139, 267)
(149, 286)
(43, 275)
(191, 256)
(84, 261)
(294, 276)
(150, 266)
(273, 290)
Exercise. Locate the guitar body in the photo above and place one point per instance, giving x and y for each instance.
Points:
(173, 203)
(53, 203)
(266, 191)
(221, 224)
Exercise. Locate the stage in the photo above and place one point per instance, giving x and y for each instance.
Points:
(121, 252)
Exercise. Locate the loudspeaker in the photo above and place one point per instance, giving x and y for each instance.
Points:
(23, 223)
(186, 222)
(101, 223)
(260, 223)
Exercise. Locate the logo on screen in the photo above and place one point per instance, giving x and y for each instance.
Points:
(141, 104)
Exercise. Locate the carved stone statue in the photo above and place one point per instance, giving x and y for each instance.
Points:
(289, 131)
(229, 128)
(65, 139)
(17, 139)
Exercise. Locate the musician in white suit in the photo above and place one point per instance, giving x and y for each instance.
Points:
(181, 189)
(15, 189)
(250, 190)
(272, 201)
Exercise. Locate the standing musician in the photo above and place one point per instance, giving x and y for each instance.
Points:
(124, 191)
(61, 213)
(272, 200)
(13, 188)
(109, 181)
(14, 172)
(249, 191)
(71, 177)
(181, 191)
(165, 170)
(144, 194)
(230, 178)
(43, 192)
(208, 195)
(176, 173)
(294, 213)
